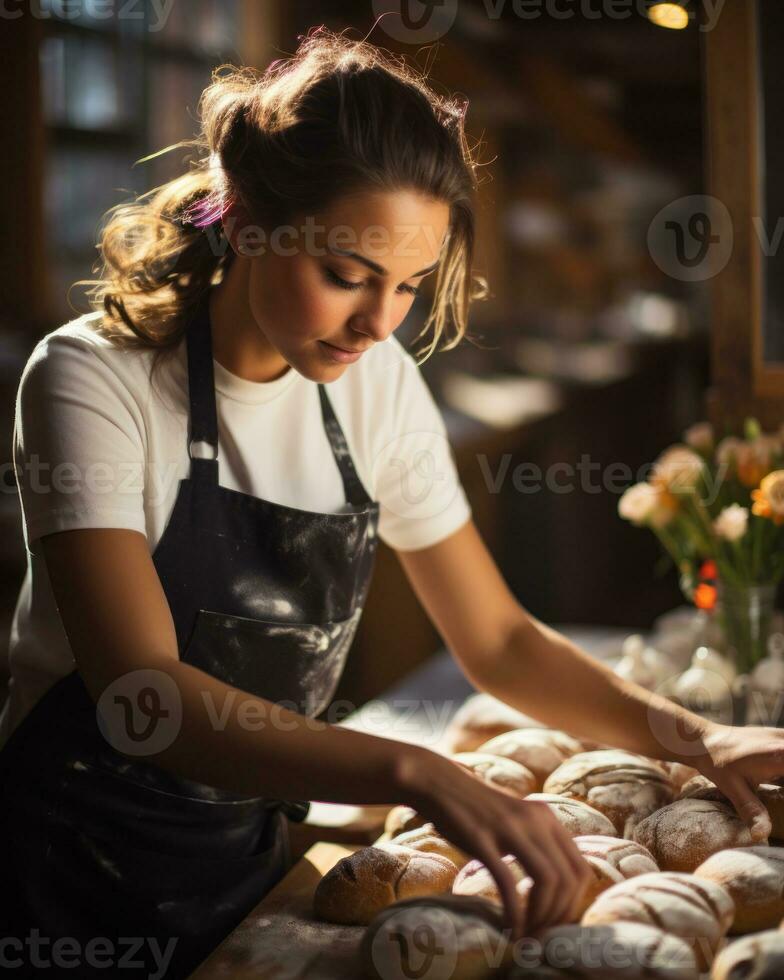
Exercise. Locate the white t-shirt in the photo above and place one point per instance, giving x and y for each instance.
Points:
(97, 445)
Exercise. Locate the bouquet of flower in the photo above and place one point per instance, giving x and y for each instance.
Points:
(718, 511)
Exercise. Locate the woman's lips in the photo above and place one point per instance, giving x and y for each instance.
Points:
(341, 355)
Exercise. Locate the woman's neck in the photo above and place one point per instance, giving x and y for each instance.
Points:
(238, 343)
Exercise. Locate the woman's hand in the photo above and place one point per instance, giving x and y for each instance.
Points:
(737, 759)
(490, 823)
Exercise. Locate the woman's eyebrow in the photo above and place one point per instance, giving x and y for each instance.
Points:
(374, 266)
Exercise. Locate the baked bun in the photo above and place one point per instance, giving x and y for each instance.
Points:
(616, 951)
(679, 773)
(700, 787)
(446, 937)
(476, 881)
(759, 957)
(698, 911)
(541, 750)
(480, 718)
(427, 838)
(612, 860)
(684, 834)
(624, 786)
(360, 885)
(499, 772)
(402, 818)
(754, 877)
(576, 817)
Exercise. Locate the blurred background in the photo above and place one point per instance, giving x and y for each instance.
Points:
(598, 343)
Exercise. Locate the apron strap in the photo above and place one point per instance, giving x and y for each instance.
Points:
(352, 485)
(201, 393)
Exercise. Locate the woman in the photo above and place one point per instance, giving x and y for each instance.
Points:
(225, 438)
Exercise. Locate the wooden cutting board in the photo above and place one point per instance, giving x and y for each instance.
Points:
(281, 940)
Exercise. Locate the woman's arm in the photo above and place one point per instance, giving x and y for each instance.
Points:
(509, 653)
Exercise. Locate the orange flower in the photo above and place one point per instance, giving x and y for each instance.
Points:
(708, 570)
(769, 498)
(705, 596)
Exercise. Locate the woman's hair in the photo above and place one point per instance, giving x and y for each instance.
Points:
(338, 117)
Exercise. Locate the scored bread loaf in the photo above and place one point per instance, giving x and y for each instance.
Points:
(685, 833)
(479, 718)
(696, 910)
(679, 773)
(624, 786)
(500, 772)
(402, 818)
(427, 838)
(700, 787)
(754, 877)
(612, 859)
(541, 750)
(476, 881)
(576, 817)
(445, 937)
(360, 885)
(758, 957)
(616, 951)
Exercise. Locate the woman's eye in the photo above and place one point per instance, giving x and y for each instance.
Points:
(336, 280)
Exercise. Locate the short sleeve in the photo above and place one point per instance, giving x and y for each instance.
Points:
(78, 445)
(415, 479)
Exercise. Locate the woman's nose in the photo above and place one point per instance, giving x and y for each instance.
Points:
(378, 320)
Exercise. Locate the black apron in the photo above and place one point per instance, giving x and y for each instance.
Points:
(98, 845)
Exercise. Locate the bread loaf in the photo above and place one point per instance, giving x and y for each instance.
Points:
(359, 886)
(616, 951)
(577, 818)
(448, 937)
(758, 957)
(541, 750)
(612, 860)
(427, 838)
(476, 881)
(499, 772)
(624, 786)
(402, 818)
(679, 773)
(684, 834)
(700, 787)
(480, 718)
(754, 878)
(698, 911)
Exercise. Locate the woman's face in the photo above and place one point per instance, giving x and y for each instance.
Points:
(342, 281)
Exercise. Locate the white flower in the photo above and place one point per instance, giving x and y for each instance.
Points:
(732, 522)
(646, 504)
(700, 437)
(677, 469)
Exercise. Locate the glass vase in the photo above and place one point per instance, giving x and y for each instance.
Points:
(744, 616)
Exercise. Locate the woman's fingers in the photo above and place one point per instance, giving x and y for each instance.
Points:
(748, 805)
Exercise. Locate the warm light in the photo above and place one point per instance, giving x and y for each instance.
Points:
(670, 15)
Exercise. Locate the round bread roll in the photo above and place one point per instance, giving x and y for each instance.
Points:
(612, 860)
(480, 718)
(679, 773)
(615, 951)
(541, 750)
(427, 838)
(402, 818)
(699, 787)
(360, 885)
(624, 786)
(498, 771)
(577, 818)
(476, 881)
(698, 911)
(685, 833)
(754, 877)
(448, 937)
(759, 957)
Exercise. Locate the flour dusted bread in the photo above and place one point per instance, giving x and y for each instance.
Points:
(427, 838)
(480, 718)
(754, 878)
(446, 937)
(685, 833)
(624, 786)
(700, 787)
(541, 750)
(612, 860)
(615, 951)
(576, 817)
(698, 911)
(476, 881)
(400, 819)
(500, 772)
(360, 885)
(758, 957)
(679, 773)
